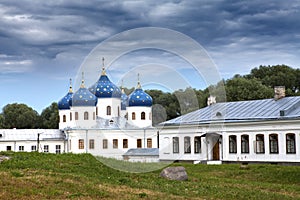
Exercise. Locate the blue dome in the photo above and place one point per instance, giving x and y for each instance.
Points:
(140, 98)
(104, 88)
(64, 103)
(83, 97)
(124, 101)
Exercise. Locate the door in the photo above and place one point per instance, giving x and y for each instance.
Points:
(216, 151)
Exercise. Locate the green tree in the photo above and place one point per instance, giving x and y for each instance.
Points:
(277, 75)
(49, 117)
(20, 116)
(239, 89)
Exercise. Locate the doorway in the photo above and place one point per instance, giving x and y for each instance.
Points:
(216, 151)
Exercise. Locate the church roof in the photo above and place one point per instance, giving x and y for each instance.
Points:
(253, 110)
(104, 88)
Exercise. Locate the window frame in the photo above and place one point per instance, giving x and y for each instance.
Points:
(259, 143)
(175, 142)
(292, 141)
(197, 144)
(187, 144)
(273, 143)
(245, 143)
(80, 143)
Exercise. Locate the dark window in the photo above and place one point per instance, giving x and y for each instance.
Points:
(70, 116)
(232, 144)
(133, 116)
(57, 149)
(108, 110)
(245, 143)
(125, 143)
(76, 115)
(104, 145)
(187, 145)
(91, 144)
(175, 144)
(149, 143)
(33, 148)
(273, 140)
(143, 116)
(46, 148)
(290, 143)
(115, 143)
(21, 148)
(260, 143)
(64, 118)
(197, 144)
(80, 144)
(139, 143)
(86, 116)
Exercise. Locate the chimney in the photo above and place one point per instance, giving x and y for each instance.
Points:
(211, 100)
(279, 92)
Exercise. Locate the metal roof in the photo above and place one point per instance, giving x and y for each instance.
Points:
(30, 134)
(253, 110)
(142, 152)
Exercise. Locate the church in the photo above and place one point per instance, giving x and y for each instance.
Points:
(103, 121)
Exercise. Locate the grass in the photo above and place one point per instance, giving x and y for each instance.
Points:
(82, 176)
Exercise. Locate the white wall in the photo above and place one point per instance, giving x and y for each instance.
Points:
(81, 122)
(138, 122)
(114, 103)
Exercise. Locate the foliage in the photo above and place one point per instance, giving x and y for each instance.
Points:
(49, 117)
(20, 116)
(81, 176)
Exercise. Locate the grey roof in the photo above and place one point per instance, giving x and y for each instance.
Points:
(253, 110)
(30, 134)
(142, 152)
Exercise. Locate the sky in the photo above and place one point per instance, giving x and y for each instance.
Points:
(45, 43)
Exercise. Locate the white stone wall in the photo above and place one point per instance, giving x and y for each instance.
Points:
(138, 122)
(98, 136)
(81, 122)
(114, 103)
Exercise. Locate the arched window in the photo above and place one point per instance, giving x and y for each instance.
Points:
(143, 116)
(187, 144)
(76, 115)
(245, 143)
(118, 111)
(94, 116)
(108, 110)
(97, 111)
(260, 143)
(273, 140)
(290, 143)
(197, 144)
(175, 144)
(86, 115)
(70, 116)
(64, 118)
(133, 116)
(232, 144)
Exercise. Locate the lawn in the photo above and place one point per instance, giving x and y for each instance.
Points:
(82, 176)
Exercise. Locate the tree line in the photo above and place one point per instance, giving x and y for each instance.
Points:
(258, 84)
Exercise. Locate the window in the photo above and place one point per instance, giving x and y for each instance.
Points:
(8, 148)
(118, 111)
(80, 144)
(197, 144)
(33, 148)
(260, 144)
(187, 145)
(70, 116)
(108, 110)
(21, 148)
(125, 143)
(232, 144)
(133, 116)
(150, 116)
(143, 116)
(86, 115)
(139, 143)
(245, 143)
(273, 140)
(290, 143)
(64, 118)
(91, 144)
(149, 143)
(115, 143)
(57, 149)
(97, 111)
(76, 115)
(46, 148)
(94, 116)
(175, 145)
(104, 145)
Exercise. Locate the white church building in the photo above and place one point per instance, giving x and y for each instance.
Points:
(104, 121)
